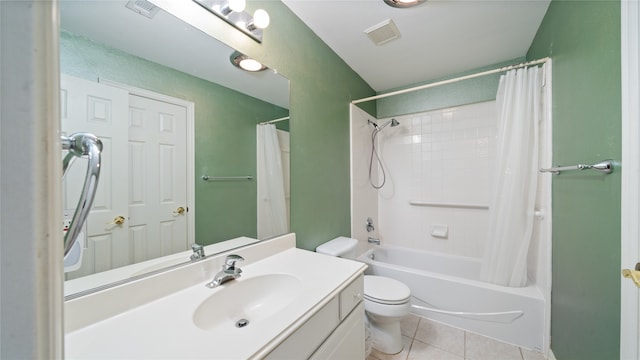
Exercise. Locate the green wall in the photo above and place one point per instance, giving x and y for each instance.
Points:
(583, 39)
(322, 86)
(224, 131)
(464, 92)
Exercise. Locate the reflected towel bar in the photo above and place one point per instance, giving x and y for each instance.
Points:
(227, 178)
(605, 167)
(447, 205)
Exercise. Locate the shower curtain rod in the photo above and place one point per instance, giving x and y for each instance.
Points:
(454, 80)
(274, 121)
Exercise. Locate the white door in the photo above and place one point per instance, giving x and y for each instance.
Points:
(101, 110)
(630, 240)
(157, 154)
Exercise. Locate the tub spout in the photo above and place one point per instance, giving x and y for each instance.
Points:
(373, 241)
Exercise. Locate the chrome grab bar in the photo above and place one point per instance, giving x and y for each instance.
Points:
(80, 145)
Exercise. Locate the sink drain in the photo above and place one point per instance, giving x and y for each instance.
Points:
(242, 323)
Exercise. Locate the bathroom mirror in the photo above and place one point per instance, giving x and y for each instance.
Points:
(135, 45)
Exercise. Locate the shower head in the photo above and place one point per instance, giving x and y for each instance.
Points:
(392, 122)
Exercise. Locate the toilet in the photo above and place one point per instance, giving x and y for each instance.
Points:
(386, 300)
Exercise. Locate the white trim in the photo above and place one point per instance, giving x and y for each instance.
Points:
(30, 182)
(454, 80)
(544, 214)
(191, 182)
(630, 187)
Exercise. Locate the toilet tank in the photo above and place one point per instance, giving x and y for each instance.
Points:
(342, 246)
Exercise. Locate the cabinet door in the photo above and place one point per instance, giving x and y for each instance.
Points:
(347, 341)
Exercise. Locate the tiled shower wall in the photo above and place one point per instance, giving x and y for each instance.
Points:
(438, 179)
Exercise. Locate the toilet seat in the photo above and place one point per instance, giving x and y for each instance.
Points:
(384, 290)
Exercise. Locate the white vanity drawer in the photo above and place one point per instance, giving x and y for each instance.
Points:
(351, 296)
(347, 341)
(302, 343)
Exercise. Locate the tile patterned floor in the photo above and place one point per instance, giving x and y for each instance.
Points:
(429, 340)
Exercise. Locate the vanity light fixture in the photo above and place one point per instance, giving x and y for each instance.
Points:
(232, 11)
(246, 63)
(232, 5)
(403, 3)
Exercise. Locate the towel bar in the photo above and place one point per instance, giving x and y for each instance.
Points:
(226, 178)
(605, 167)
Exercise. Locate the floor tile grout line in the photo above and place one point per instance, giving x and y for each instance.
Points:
(464, 346)
(410, 347)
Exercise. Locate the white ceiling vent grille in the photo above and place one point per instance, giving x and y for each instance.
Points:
(383, 32)
(143, 7)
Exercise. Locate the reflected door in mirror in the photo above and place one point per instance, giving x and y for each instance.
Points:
(135, 216)
(101, 110)
(158, 188)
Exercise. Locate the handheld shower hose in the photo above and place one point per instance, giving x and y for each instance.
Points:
(376, 130)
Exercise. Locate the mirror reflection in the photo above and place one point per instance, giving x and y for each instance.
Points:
(170, 108)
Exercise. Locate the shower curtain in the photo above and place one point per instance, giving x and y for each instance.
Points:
(513, 193)
(272, 213)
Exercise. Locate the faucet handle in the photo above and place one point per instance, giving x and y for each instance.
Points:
(198, 251)
(230, 262)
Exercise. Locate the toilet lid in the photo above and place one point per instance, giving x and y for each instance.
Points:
(385, 290)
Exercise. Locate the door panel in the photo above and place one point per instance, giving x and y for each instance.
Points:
(157, 163)
(101, 110)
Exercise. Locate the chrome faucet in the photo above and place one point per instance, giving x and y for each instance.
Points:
(198, 252)
(373, 241)
(229, 271)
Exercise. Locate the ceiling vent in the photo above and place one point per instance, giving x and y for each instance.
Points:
(143, 7)
(383, 32)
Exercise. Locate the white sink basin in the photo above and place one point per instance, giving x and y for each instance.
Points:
(239, 303)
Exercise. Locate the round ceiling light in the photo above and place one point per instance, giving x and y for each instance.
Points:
(246, 63)
(403, 3)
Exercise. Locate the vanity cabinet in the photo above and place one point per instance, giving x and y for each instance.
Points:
(336, 331)
(347, 341)
(162, 316)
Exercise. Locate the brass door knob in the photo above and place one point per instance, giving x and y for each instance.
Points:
(634, 275)
(118, 220)
(179, 211)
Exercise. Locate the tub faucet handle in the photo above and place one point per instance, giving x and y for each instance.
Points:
(369, 225)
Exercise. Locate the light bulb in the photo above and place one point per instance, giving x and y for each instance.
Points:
(260, 19)
(250, 64)
(232, 5)
(237, 5)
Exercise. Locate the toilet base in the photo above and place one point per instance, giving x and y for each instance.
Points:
(385, 335)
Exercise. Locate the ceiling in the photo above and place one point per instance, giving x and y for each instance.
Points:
(182, 47)
(438, 37)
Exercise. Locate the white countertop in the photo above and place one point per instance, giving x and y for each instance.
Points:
(164, 328)
(104, 278)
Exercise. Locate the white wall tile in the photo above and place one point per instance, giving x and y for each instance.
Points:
(444, 156)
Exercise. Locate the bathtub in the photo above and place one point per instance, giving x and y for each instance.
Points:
(447, 289)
